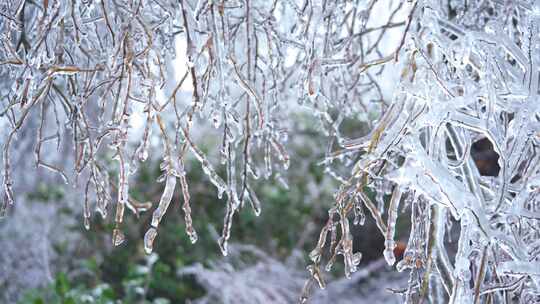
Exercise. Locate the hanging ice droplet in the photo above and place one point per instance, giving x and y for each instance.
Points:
(222, 242)
(165, 200)
(86, 223)
(254, 201)
(357, 257)
(142, 154)
(149, 238)
(220, 193)
(190, 230)
(118, 237)
(329, 265)
(286, 163)
(315, 255)
(359, 216)
(193, 237)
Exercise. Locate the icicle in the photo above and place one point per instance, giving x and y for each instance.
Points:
(190, 230)
(350, 260)
(253, 170)
(359, 216)
(379, 196)
(86, 222)
(357, 257)
(281, 181)
(86, 211)
(267, 161)
(316, 274)
(389, 243)
(315, 254)
(208, 169)
(123, 190)
(159, 212)
(254, 201)
(282, 153)
(142, 150)
(227, 224)
(8, 190)
(149, 237)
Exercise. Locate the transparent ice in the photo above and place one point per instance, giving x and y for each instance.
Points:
(79, 72)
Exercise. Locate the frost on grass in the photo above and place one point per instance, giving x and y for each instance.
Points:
(84, 70)
(248, 275)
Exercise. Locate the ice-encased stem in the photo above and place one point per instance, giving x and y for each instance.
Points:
(159, 212)
(186, 207)
(208, 169)
(254, 200)
(123, 190)
(389, 243)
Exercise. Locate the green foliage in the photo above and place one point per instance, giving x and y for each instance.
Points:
(46, 192)
(62, 292)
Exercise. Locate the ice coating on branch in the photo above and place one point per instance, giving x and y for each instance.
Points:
(253, 201)
(208, 169)
(164, 201)
(98, 74)
(149, 238)
(123, 183)
(187, 209)
(172, 171)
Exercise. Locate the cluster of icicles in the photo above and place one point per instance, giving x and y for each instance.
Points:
(80, 71)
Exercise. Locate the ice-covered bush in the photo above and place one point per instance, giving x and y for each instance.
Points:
(101, 77)
(469, 74)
